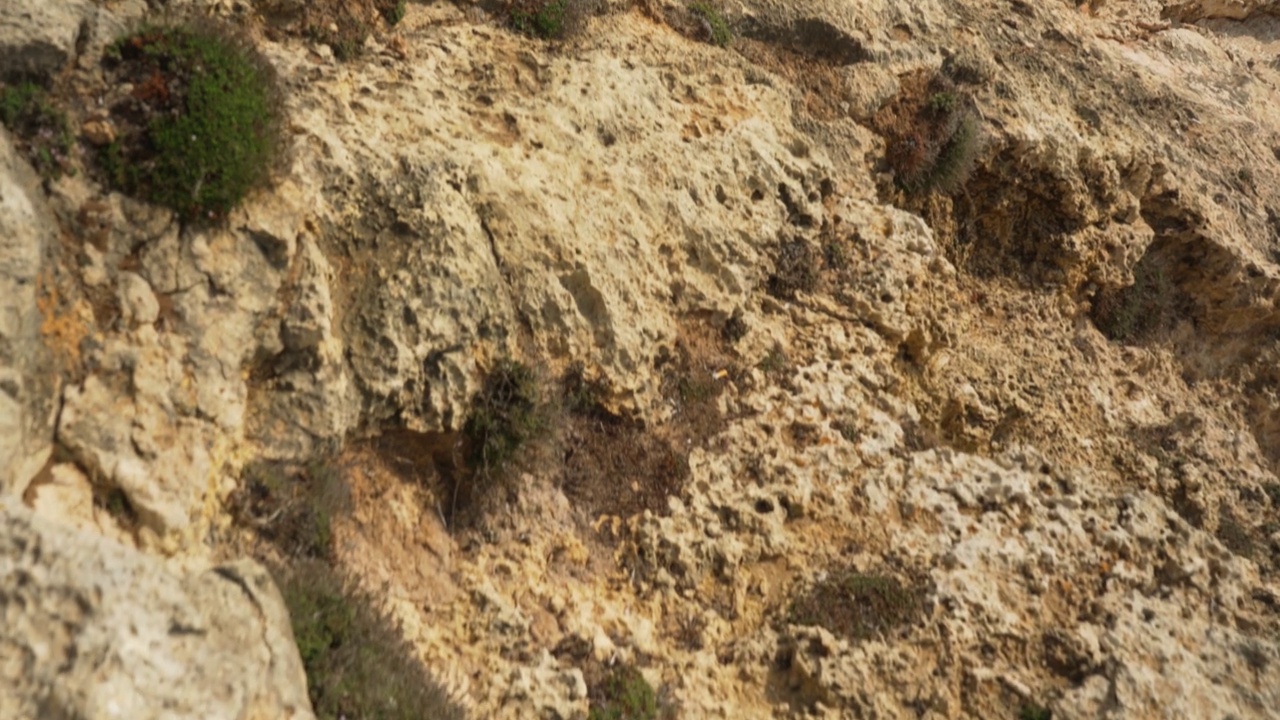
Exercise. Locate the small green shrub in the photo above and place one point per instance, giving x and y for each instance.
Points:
(393, 11)
(943, 102)
(546, 19)
(41, 129)
(933, 138)
(202, 125)
(714, 26)
(506, 414)
(957, 157)
(1272, 489)
(549, 19)
(356, 663)
(624, 695)
(1035, 711)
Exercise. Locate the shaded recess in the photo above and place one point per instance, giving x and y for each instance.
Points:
(1151, 307)
(813, 38)
(618, 466)
(357, 663)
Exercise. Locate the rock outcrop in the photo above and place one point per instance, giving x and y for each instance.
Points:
(28, 390)
(93, 629)
(1038, 412)
(38, 39)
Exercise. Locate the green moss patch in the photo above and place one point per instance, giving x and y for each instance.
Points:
(201, 126)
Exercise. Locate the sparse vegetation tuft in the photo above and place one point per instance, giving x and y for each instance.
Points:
(393, 11)
(1035, 711)
(41, 129)
(795, 270)
(932, 135)
(775, 362)
(623, 695)
(507, 413)
(615, 465)
(548, 19)
(292, 506)
(714, 26)
(343, 25)
(202, 125)
(357, 665)
(1234, 536)
(116, 503)
(855, 605)
(1272, 489)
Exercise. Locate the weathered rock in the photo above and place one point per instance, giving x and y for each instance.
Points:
(196, 308)
(93, 629)
(601, 202)
(28, 390)
(1193, 10)
(466, 193)
(160, 459)
(37, 39)
(452, 243)
(310, 402)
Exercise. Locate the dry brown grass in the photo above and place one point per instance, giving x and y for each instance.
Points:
(857, 606)
(619, 467)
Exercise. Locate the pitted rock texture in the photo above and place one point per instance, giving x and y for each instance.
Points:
(501, 218)
(93, 629)
(1045, 406)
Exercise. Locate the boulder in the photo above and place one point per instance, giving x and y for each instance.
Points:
(92, 629)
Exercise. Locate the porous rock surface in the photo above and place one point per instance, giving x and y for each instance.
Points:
(1090, 523)
(94, 629)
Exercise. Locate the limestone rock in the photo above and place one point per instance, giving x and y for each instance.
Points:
(95, 630)
(28, 389)
(38, 38)
(310, 402)
(138, 305)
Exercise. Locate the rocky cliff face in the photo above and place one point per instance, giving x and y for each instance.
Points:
(1003, 449)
